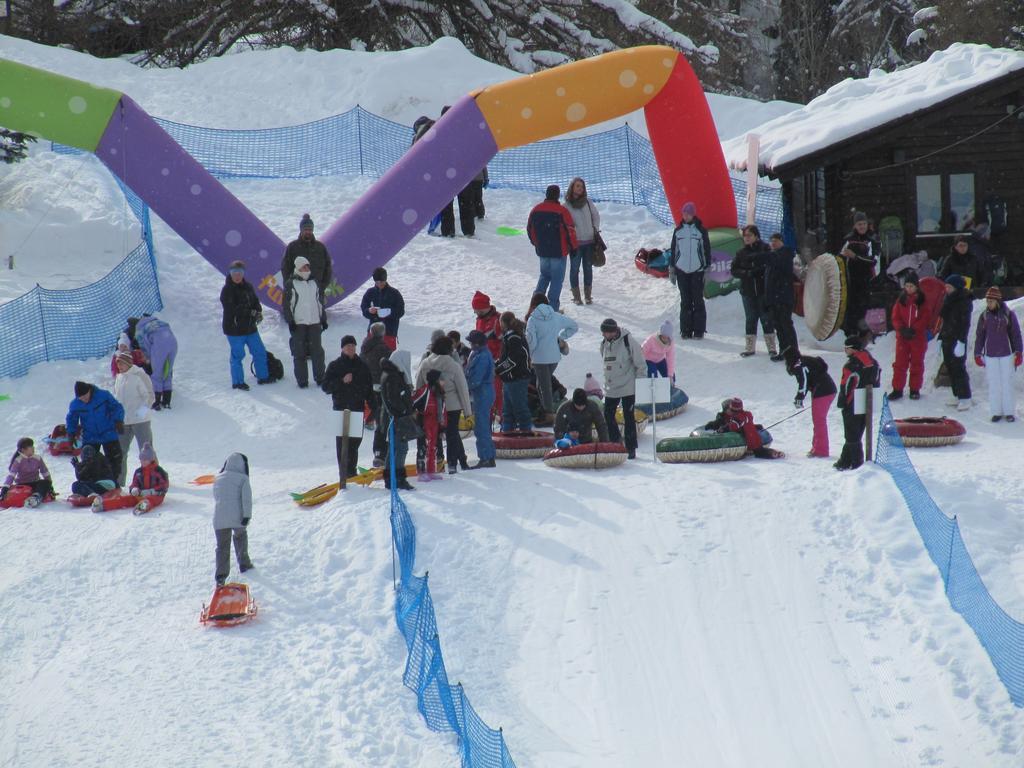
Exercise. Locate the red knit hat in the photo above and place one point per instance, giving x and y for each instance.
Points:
(481, 300)
(994, 293)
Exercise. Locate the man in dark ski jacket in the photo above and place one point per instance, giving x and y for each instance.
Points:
(553, 234)
(860, 372)
(779, 300)
(396, 404)
(690, 257)
(383, 303)
(99, 418)
(956, 325)
(513, 367)
(373, 352)
(242, 313)
(307, 245)
(860, 249)
(579, 418)
(347, 381)
(748, 266)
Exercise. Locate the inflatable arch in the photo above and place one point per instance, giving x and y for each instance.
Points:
(527, 109)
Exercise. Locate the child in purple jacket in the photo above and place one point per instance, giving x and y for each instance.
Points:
(28, 469)
(997, 349)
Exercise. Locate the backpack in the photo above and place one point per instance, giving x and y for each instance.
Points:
(995, 210)
(275, 368)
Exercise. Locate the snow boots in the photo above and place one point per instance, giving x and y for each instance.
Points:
(772, 344)
(748, 350)
(163, 399)
(586, 295)
(851, 457)
(576, 298)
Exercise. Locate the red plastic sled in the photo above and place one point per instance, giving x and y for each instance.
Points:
(115, 499)
(17, 495)
(60, 443)
(641, 259)
(231, 604)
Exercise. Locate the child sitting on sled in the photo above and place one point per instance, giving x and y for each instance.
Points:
(733, 418)
(95, 477)
(25, 468)
(150, 481)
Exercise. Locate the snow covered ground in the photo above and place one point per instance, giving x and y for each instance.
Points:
(750, 613)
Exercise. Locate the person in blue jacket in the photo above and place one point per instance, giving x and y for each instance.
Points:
(97, 419)
(480, 380)
(384, 304)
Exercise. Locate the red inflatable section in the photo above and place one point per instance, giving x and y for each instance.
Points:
(687, 149)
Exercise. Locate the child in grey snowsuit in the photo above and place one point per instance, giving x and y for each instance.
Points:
(232, 510)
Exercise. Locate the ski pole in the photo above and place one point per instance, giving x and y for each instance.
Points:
(788, 417)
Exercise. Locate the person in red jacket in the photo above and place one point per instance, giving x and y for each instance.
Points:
(150, 481)
(860, 372)
(488, 323)
(553, 234)
(910, 319)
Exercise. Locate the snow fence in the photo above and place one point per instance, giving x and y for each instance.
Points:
(1001, 635)
(445, 707)
(81, 323)
(618, 166)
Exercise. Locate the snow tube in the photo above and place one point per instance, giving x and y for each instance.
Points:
(926, 431)
(587, 456)
(825, 295)
(639, 416)
(676, 404)
(466, 425)
(705, 448)
(653, 263)
(766, 436)
(522, 445)
(17, 495)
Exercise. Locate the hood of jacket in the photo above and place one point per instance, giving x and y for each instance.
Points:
(402, 360)
(236, 462)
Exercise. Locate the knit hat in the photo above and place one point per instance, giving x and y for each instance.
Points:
(591, 387)
(123, 342)
(306, 223)
(125, 357)
(476, 338)
(552, 192)
(608, 325)
(237, 264)
(910, 276)
(348, 339)
(300, 262)
(82, 388)
(853, 342)
(690, 209)
(957, 281)
(735, 404)
(666, 329)
(378, 330)
(481, 301)
(146, 453)
(380, 274)
(88, 451)
(859, 216)
(579, 397)
(994, 293)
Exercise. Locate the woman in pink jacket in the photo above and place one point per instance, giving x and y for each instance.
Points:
(660, 353)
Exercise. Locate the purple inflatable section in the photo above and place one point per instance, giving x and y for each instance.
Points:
(408, 196)
(191, 201)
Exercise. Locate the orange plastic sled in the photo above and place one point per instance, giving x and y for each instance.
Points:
(231, 604)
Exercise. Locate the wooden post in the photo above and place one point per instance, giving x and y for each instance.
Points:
(344, 448)
(869, 417)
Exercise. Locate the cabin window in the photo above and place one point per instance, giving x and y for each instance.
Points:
(945, 202)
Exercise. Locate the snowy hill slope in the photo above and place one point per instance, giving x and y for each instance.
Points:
(752, 613)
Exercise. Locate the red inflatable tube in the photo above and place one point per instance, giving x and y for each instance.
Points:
(522, 445)
(929, 431)
(587, 456)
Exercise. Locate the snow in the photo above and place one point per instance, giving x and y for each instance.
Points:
(749, 613)
(858, 105)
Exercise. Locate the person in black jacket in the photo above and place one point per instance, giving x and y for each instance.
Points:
(860, 249)
(373, 352)
(811, 374)
(396, 404)
(860, 372)
(242, 313)
(315, 252)
(347, 381)
(383, 303)
(748, 266)
(778, 292)
(962, 261)
(93, 475)
(513, 368)
(956, 325)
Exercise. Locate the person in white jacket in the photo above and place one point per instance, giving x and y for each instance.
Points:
(307, 319)
(623, 364)
(232, 510)
(133, 389)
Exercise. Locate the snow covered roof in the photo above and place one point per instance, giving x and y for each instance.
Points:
(856, 106)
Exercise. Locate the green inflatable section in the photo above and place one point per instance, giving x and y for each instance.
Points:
(703, 443)
(718, 279)
(54, 107)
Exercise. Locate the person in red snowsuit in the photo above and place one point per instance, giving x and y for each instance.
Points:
(910, 318)
(429, 401)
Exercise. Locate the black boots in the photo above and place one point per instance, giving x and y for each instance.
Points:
(167, 398)
(851, 457)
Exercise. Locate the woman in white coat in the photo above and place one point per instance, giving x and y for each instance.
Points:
(133, 389)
